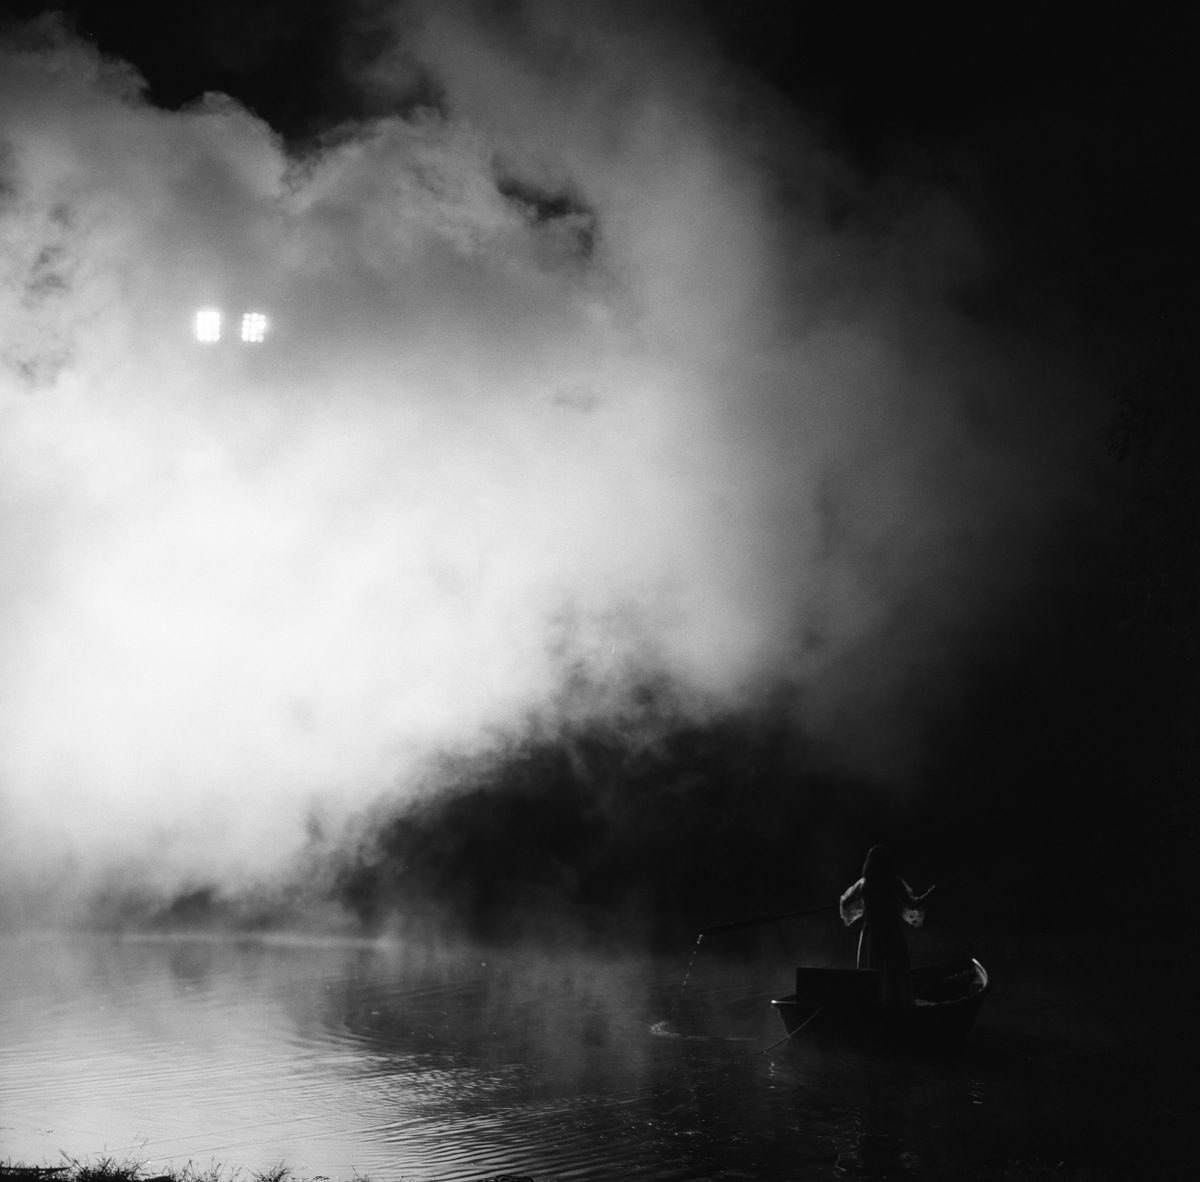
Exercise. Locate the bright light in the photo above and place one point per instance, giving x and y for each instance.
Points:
(208, 325)
(254, 328)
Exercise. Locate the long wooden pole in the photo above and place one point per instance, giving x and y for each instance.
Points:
(757, 919)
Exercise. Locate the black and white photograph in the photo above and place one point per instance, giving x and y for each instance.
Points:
(598, 590)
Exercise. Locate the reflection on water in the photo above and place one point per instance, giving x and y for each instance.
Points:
(403, 1061)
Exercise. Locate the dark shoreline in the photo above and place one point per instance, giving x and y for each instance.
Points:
(107, 1169)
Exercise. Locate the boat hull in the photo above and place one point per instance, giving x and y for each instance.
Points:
(947, 999)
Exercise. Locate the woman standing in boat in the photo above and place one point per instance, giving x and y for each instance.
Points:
(883, 902)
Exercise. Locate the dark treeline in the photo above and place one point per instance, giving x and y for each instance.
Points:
(1076, 753)
(586, 829)
(1057, 795)
(1059, 792)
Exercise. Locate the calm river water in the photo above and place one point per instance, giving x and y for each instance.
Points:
(399, 1061)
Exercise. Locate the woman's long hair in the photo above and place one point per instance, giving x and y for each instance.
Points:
(883, 889)
(878, 867)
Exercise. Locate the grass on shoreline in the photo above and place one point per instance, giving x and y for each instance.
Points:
(111, 1169)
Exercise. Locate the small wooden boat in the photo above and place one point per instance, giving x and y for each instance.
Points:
(946, 998)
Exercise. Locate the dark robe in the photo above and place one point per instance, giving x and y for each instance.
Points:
(884, 906)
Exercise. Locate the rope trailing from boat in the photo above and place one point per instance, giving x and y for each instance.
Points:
(792, 1032)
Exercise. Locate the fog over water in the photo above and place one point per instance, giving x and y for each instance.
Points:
(592, 365)
(352, 1058)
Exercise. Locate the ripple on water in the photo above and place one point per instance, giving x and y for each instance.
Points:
(427, 1064)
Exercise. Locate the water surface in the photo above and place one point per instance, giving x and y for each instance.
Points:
(405, 1061)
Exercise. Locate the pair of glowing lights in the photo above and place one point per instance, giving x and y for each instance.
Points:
(209, 324)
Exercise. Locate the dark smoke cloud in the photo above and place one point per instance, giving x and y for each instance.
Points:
(591, 359)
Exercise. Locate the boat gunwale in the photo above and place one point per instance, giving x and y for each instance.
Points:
(974, 996)
(934, 1023)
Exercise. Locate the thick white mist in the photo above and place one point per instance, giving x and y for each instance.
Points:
(675, 425)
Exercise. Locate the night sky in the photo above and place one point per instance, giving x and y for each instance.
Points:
(693, 441)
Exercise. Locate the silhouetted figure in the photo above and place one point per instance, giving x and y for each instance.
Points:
(884, 903)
